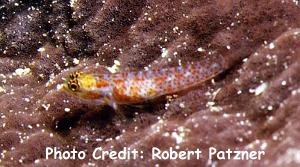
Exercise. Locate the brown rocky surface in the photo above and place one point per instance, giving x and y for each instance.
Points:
(253, 104)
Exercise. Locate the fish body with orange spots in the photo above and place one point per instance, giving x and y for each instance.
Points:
(138, 86)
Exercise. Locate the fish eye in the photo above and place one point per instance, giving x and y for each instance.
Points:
(73, 83)
(73, 86)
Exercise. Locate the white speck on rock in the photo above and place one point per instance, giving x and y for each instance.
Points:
(22, 72)
(164, 53)
(263, 145)
(42, 49)
(115, 67)
(2, 89)
(76, 61)
(72, 3)
(67, 109)
(117, 62)
(216, 108)
(59, 86)
(200, 49)
(260, 89)
(270, 108)
(46, 106)
(177, 137)
(271, 45)
(182, 105)
(27, 99)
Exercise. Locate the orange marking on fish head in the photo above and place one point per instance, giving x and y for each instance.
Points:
(92, 95)
(102, 83)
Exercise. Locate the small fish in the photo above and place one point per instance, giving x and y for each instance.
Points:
(138, 86)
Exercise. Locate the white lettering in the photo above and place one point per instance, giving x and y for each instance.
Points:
(174, 154)
(95, 152)
(155, 153)
(57, 154)
(236, 155)
(124, 154)
(260, 153)
(211, 151)
(49, 151)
